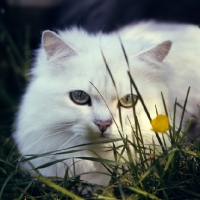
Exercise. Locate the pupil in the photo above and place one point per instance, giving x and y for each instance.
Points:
(127, 97)
(80, 94)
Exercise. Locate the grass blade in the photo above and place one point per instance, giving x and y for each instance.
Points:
(59, 188)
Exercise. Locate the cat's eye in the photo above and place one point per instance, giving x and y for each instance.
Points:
(127, 100)
(80, 97)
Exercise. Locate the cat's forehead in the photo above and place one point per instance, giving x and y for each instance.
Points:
(95, 74)
(97, 79)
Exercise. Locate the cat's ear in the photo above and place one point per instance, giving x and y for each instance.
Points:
(54, 45)
(157, 53)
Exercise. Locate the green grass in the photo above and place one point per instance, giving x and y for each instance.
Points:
(158, 172)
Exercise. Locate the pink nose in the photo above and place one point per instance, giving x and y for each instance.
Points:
(103, 125)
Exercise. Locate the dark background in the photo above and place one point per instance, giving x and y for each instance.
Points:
(21, 25)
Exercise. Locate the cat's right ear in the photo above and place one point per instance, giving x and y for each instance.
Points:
(157, 53)
(54, 46)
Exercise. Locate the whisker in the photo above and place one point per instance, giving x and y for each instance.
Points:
(63, 125)
(60, 148)
(46, 136)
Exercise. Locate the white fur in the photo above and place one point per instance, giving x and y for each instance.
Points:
(48, 120)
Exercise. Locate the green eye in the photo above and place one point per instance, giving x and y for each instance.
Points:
(80, 97)
(127, 100)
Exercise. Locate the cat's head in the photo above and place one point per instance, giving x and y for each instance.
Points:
(80, 99)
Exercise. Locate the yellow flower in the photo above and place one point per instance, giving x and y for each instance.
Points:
(160, 124)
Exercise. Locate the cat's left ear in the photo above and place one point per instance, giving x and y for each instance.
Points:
(157, 53)
(55, 46)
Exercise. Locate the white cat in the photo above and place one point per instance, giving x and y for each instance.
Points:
(71, 99)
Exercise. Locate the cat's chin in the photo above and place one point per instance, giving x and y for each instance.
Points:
(105, 135)
(98, 136)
